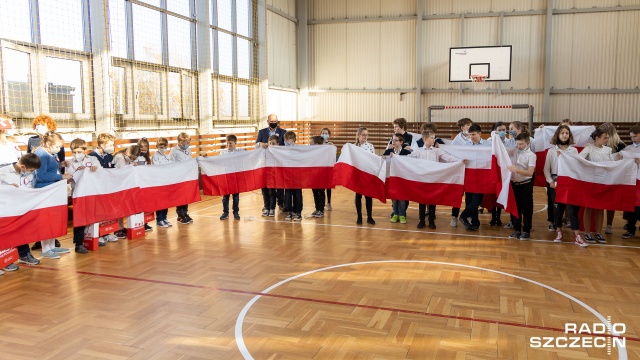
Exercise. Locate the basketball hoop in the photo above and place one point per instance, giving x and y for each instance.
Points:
(477, 81)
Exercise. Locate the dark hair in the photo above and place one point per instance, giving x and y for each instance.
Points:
(360, 130)
(463, 122)
(475, 128)
(520, 126)
(274, 137)
(290, 135)
(567, 121)
(317, 140)
(232, 138)
(523, 136)
(429, 126)
(400, 136)
(598, 133)
(30, 161)
(323, 129)
(402, 122)
(134, 150)
(497, 125)
(635, 129)
(162, 141)
(556, 135)
(78, 144)
(427, 133)
(144, 142)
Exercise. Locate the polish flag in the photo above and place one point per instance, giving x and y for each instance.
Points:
(425, 181)
(633, 153)
(361, 171)
(542, 143)
(233, 173)
(608, 185)
(105, 195)
(477, 173)
(502, 176)
(300, 167)
(28, 215)
(167, 185)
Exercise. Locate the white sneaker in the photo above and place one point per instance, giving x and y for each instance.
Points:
(454, 221)
(608, 230)
(166, 222)
(50, 255)
(328, 207)
(101, 240)
(111, 238)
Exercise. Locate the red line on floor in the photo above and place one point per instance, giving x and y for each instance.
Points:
(329, 302)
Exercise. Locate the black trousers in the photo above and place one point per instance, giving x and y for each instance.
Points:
(182, 209)
(293, 201)
(472, 201)
(78, 235)
(632, 219)
(328, 196)
(558, 213)
(272, 197)
(455, 212)
(318, 199)
(422, 209)
(368, 203)
(23, 250)
(524, 200)
(551, 200)
(235, 204)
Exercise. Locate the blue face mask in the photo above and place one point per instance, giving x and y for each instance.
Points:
(502, 134)
(184, 147)
(325, 137)
(512, 133)
(286, 143)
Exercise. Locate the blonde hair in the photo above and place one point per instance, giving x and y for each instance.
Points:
(162, 141)
(105, 138)
(614, 138)
(183, 136)
(78, 144)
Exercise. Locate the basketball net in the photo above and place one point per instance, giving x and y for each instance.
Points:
(478, 81)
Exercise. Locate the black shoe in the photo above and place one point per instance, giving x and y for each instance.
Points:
(432, 225)
(492, 222)
(370, 221)
(465, 222)
(236, 216)
(80, 249)
(189, 219)
(359, 220)
(515, 235)
(147, 228)
(421, 224)
(120, 234)
(472, 228)
(57, 243)
(36, 246)
(498, 223)
(224, 216)
(628, 235)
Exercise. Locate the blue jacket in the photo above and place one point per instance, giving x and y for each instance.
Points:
(263, 135)
(49, 171)
(106, 160)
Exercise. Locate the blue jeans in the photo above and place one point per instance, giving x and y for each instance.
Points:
(399, 207)
(225, 203)
(161, 215)
(293, 201)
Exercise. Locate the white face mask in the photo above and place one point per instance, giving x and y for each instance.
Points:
(109, 150)
(41, 129)
(162, 150)
(78, 157)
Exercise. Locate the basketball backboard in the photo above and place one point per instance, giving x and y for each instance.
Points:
(494, 62)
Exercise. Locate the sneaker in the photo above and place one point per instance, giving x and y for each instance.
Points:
(608, 230)
(552, 227)
(328, 207)
(110, 238)
(272, 213)
(236, 216)
(628, 235)
(56, 243)
(580, 242)
(265, 212)
(403, 219)
(559, 237)
(11, 267)
(465, 222)
(102, 241)
(589, 239)
(289, 216)
(432, 225)
(61, 250)
(81, 249)
(224, 216)
(515, 235)
(525, 236)
(319, 214)
(183, 220)
(147, 228)
(624, 227)
(189, 219)
(313, 214)
(297, 217)
(120, 234)
(167, 223)
(421, 224)
(492, 222)
(50, 255)
(454, 221)
(370, 221)
(359, 220)
(567, 222)
(394, 218)
(600, 239)
(36, 246)
(29, 260)
(472, 228)
(161, 224)
(509, 225)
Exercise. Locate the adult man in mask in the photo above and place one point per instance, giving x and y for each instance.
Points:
(263, 141)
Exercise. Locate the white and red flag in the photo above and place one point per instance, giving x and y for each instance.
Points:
(542, 142)
(234, 173)
(477, 173)
(28, 215)
(502, 176)
(105, 195)
(633, 154)
(361, 171)
(425, 181)
(608, 185)
(300, 167)
(167, 185)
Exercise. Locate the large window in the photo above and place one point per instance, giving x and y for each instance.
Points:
(64, 85)
(147, 34)
(149, 93)
(17, 77)
(61, 23)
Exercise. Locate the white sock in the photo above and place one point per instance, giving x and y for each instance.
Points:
(48, 245)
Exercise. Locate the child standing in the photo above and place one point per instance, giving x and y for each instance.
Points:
(47, 174)
(399, 206)
(318, 194)
(632, 216)
(79, 161)
(473, 200)
(182, 153)
(104, 153)
(562, 141)
(524, 164)
(231, 148)
(500, 129)
(123, 158)
(463, 137)
(325, 133)
(292, 197)
(161, 157)
(429, 152)
(361, 141)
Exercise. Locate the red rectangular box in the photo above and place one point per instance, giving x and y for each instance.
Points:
(149, 217)
(8, 256)
(109, 226)
(135, 233)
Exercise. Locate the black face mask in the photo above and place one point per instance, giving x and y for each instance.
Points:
(273, 125)
(560, 142)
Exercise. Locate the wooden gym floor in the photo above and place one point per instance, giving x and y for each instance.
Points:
(321, 289)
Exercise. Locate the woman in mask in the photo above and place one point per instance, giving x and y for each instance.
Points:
(43, 124)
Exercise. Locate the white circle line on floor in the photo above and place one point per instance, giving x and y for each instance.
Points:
(622, 350)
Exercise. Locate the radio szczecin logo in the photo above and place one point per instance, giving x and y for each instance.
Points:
(595, 335)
